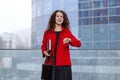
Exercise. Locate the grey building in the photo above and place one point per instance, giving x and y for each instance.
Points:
(99, 22)
(96, 24)
(41, 11)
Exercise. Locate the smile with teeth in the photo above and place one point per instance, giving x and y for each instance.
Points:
(59, 20)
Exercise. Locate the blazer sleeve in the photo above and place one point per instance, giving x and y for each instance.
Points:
(75, 42)
(44, 43)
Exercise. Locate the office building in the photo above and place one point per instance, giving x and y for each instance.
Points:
(41, 11)
(96, 24)
(99, 22)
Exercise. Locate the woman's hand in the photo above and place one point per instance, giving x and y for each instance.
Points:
(67, 40)
(46, 54)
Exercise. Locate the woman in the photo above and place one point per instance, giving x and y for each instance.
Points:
(61, 37)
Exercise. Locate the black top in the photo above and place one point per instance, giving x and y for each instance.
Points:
(56, 44)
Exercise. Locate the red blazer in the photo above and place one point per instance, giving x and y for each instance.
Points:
(62, 53)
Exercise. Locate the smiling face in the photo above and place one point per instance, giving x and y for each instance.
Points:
(59, 18)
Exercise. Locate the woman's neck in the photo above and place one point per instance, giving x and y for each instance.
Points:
(57, 28)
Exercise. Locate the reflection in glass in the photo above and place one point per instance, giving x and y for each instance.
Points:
(114, 19)
(85, 5)
(100, 33)
(47, 7)
(85, 33)
(85, 0)
(87, 13)
(70, 5)
(114, 2)
(100, 12)
(100, 20)
(111, 2)
(114, 45)
(85, 21)
(114, 11)
(100, 4)
(114, 32)
(104, 16)
(86, 45)
(101, 45)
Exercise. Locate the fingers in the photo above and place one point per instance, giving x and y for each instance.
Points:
(46, 53)
(66, 40)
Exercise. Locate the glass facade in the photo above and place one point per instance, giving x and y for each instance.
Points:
(41, 11)
(98, 23)
(87, 64)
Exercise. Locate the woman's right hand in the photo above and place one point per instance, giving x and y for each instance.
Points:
(46, 54)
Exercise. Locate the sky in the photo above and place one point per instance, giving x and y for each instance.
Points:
(15, 15)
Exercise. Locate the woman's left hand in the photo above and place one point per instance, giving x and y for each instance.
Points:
(66, 40)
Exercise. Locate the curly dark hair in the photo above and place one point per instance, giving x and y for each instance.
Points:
(51, 23)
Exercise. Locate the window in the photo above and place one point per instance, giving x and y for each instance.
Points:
(101, 20)
(114, 32)
(85, 33)
(100, 4)
(100, 45)
(85, 5)
(85, 13)
(85, 0)
(100, 12)
(86, 45)
(114, 19)
(114, 45)
(100, 32)
(86, 21)
(114, 11)
(111, 2)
